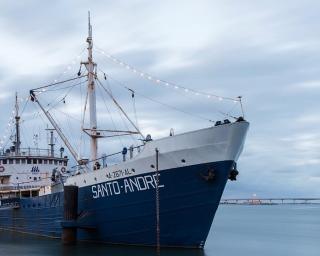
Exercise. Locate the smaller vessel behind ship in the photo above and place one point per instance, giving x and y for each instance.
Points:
(27, 172)
(162, 192)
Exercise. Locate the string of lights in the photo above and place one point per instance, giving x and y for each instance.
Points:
(67, 69)
(162, 82)
(8, 130)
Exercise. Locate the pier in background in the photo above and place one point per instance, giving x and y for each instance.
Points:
(270, 201)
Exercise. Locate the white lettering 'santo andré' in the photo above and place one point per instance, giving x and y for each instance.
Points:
(127, 185)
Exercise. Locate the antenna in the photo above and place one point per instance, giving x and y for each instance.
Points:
(89, 26)
(17, 117)
(51, 141)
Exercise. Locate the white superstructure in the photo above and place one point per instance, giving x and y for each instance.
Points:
(28, 171)
(214, 144)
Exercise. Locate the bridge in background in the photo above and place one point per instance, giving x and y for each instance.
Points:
(270, 201)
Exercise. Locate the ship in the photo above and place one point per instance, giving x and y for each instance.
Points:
(164, 192)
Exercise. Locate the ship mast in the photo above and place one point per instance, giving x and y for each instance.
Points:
(90, 66)
(17, 118)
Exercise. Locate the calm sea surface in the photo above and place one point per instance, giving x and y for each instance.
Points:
(287, 230)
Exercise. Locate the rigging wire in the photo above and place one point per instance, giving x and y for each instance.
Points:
(123, 121)
(84, 113)
(60, 89)
(112, 120)
(56, 98)
(53, 104)
(161, 103)
(67, 115)
(161, 81)
(64, 97)
(134, 108)
(82, 119)
(4, 143)
(117, 104)
(132, 96)
(56, 83)
(225, 114)
(43, 88)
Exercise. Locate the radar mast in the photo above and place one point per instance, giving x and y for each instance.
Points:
(90, 66)
(17, 118)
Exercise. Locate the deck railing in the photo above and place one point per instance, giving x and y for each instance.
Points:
(4, 187)
(30, 152)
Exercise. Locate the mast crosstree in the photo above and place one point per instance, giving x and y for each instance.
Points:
(93, 132)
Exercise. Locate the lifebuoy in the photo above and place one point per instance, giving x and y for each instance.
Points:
(63, 169)
(2, 168)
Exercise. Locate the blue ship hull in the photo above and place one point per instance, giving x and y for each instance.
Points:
(188, 202)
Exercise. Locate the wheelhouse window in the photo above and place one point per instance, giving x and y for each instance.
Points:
(28, 161)
(65, 163)
(34, 161)
(40, 161)
(4, 161)
(45, 161)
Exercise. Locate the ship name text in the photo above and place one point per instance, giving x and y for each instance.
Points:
(127, 185)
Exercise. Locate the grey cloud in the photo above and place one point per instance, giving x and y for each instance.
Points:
(266, 51)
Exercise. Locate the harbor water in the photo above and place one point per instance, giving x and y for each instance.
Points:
(246, 230)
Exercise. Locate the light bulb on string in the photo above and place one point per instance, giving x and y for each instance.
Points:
(157, 81)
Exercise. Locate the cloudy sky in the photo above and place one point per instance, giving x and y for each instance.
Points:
(266, 51)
